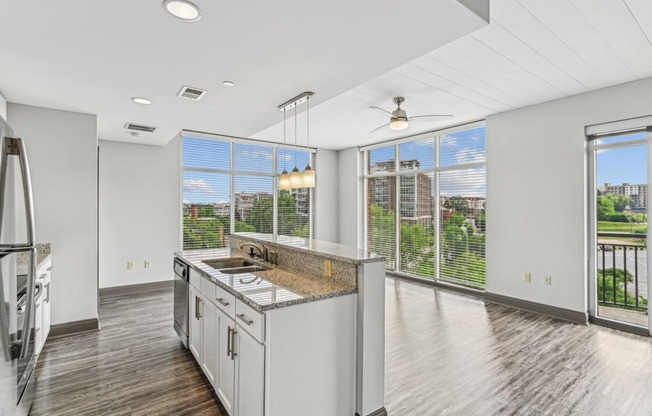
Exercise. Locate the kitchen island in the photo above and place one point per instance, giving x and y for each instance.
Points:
(288, 327)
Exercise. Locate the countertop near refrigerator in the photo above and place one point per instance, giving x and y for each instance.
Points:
(42, 253)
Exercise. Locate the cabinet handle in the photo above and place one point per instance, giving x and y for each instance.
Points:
(244, 319)
(49, 268)
(197, 314)
(233, 353)
(222, 301)
(228, 342)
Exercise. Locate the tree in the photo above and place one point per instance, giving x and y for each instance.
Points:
(457, 203)
(606, 288)
(382, 233)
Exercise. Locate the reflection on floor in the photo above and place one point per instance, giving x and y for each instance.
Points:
(623, 315)
(135, 365)
(450, 354)
(446, 354)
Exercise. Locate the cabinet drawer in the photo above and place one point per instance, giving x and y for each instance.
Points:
(225, 301)
(250, 320)
(207, 288)
(195, 279)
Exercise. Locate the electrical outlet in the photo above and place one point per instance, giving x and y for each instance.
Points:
(527, 277)
(130, 265)
(328, 272)
(147, 264)
(547, 279)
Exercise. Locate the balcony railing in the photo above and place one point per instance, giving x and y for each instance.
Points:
(622, 270)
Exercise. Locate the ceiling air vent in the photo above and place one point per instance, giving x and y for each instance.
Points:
(191, 93)
(139, 127)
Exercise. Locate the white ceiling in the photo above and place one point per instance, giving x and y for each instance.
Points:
(93, 56)
(532, 51)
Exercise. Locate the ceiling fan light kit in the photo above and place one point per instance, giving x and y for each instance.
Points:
(297, 179)
(399, 120)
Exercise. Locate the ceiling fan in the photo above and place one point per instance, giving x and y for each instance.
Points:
(399, 119)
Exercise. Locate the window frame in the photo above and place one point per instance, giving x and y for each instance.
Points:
(233, 173)
(364, 176)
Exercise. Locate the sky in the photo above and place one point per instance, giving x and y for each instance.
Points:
(616, 166)
(210, 187)
(622, 165)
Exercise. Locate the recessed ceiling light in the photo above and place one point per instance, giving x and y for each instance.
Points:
(183, 10)
(228, 83)
(141, 100)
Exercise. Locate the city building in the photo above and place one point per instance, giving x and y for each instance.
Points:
(638, 193)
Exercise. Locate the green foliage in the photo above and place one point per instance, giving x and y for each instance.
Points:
(382, 233)
(205, 232)
(606, 280)
(457, 204)
(461, 258)
(608, 205)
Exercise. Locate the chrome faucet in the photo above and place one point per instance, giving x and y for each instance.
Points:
(262, 250)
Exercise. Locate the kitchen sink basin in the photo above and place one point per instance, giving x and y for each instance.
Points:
(245, 269)
(229, 263)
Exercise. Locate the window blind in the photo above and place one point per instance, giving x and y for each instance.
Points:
(232, 186)
(434, 188)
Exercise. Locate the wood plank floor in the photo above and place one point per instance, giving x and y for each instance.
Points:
(450, 354)
(135, 365)
(446, 354)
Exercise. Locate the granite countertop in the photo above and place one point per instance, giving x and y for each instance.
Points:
(326, 249)
(42, 253)
(268, 289)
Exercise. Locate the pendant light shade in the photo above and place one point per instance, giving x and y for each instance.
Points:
(284, 181)
(296, 180)
(308, 177)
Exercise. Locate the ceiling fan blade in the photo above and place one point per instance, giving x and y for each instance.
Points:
(378, 128)
(381, 111)
(431, 117)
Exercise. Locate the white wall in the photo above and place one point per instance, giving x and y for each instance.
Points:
(348, 212)
(326, 228)
(139, 208)
(62, 151)
(537, 192)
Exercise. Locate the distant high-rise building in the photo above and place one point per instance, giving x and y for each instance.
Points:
(415, 189)
(638, 193)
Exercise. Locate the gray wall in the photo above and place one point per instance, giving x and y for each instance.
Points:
(348, 212)
(537, 192)
(62, 151)
(140, 211)
(326, 196)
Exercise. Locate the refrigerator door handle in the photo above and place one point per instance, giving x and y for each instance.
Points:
(4, 319)
(29, 310)
(31, 239)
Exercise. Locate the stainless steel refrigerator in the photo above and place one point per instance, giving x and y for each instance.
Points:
(17, 277)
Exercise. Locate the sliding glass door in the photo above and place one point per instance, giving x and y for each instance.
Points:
(619, 275)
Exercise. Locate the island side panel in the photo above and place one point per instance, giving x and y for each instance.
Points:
(370, 373)
(310, 358)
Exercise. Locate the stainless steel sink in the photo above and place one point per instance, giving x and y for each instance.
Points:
(229, 263)
(238, 270)
(234, 266)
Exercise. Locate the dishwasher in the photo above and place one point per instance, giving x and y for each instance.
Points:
(181, 289)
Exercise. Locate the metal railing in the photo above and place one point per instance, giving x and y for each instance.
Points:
(622, 271)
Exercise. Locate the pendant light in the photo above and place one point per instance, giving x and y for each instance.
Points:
(308, 175)
(284, 179)
(296, 180)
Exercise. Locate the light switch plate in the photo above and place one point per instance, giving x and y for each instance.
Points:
(527, 277)
(130, 265)
(547, 279)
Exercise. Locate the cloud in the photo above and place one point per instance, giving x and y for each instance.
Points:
(199, 186)
(469, 155)
(257, 153)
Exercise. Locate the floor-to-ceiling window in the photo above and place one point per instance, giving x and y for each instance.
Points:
(424, 205)
(231, 185)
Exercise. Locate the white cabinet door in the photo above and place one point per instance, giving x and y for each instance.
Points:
(250, 374)
(195, 323)
(46, 307)
(209, 340)
(225, 380)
